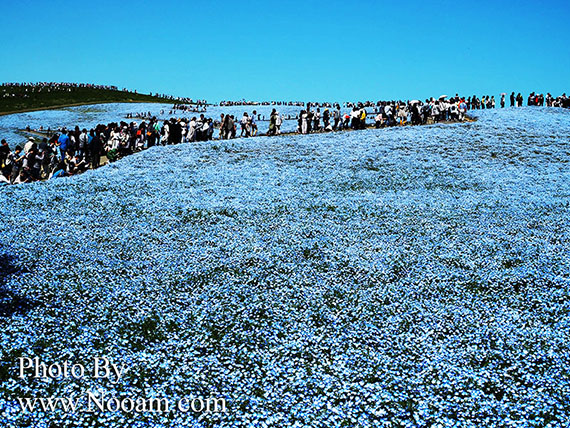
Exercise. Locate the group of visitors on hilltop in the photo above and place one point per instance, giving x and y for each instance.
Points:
(58, 85)
(25, 89)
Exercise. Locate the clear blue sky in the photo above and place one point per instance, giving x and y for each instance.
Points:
(293, 50)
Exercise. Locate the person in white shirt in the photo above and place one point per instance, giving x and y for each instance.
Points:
(192, 130)
(245, 125)
(355, 118)
(304, 122)
(29, 144)
(83, 142)
(278, 123)
(402, 115)
(184, 130)
(317, 120)
(165, 133)
(253, 123)
(436, 112)
(388, 114)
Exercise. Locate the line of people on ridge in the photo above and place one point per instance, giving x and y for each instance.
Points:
(70, 152)
(386, 113)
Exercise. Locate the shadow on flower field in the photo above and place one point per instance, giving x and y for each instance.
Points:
(11, 302)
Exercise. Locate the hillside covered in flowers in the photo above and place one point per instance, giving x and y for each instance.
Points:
(403, 277)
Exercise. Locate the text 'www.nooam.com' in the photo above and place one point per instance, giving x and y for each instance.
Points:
(93, 402)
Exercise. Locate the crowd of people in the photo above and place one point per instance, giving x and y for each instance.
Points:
(177, 108)
(248, 124)
(384, 113)
(69, 152)
(472, 102)
(261, 103)
(26, 89)
(9, 89)
(183, 108)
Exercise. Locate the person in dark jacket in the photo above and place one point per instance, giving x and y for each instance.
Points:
(16, 159)
(326, 118)
(36, 161)
(272, 123)
(175, 132)
(4, 152)
(96, 148)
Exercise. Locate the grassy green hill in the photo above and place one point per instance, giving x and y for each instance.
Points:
(14, 99)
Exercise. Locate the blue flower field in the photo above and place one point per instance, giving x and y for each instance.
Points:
(402, 277)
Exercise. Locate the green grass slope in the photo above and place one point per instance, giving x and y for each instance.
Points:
(14, 99)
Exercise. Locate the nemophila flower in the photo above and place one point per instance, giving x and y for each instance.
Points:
(402, 277)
